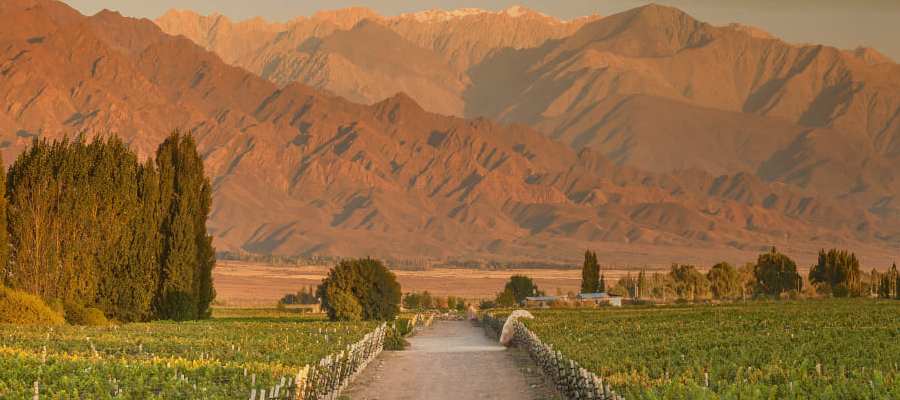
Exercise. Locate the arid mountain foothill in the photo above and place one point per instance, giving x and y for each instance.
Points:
(648, 136)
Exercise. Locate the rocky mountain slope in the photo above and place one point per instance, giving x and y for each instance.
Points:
(299, 171)
(651, 88)
(362, 56)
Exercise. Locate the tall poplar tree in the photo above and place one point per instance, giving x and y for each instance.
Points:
(890, 281)
(4, 234)
(838, 272)
(590, 273)
(187, 256)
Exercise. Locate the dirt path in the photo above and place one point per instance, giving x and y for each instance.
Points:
(452, 360)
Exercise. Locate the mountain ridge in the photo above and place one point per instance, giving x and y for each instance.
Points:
(299, 171)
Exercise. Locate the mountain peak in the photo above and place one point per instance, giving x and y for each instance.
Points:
(346, 18)
(647, 31)
(397, 106)
(107, 13)
(402, 100)
(656, 13)
(517, 11)
(870, 56)
(440, 15)
(753, 31)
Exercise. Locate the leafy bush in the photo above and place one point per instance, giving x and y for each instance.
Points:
(565, 303)
(306, 295)
(76, 314)
(776, 273)
(57, 306)
(506, 298)
(343, 306)
(360, 289)
(521, 286)
(486, 304)
(393, 340)
(26, 309)
(404, 325)
(94, 317)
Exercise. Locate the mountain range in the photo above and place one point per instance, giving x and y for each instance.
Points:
(472, 135)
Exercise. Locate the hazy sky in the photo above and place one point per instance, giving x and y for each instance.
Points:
(841, 23)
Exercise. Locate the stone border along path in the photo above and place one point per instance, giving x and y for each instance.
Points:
(453, 360)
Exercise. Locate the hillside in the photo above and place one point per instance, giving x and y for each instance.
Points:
(730, 99)
(424, 54)
(299, 171)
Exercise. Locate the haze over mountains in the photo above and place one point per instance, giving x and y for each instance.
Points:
(647, 135)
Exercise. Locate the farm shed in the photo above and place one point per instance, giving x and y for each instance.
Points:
(600, 299)
(541, 301)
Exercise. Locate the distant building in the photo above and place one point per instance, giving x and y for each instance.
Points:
(600, 299)
(541, 301)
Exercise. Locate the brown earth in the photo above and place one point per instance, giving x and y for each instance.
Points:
(452, 360)
(241, 284)
(298, 171)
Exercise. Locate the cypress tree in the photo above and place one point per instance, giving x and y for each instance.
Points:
(838, 271)
(642, 284)
(43, 219)
(896, 284)
(602, 287)
(891, 285)
(590, 273)
(187, 257)
(4, 234)
(115, 182)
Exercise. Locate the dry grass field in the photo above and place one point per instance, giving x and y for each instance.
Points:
(242, 284)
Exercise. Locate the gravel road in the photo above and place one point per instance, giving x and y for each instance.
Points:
(452, 360)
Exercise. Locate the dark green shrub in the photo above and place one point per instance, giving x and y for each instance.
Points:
(486, 304)
(363, 288)
(94, 317)
(57, 306)
(343, 306)
(840, 290)
(506, 298)
(521, 286)
(404, 326)
(776, 273)
(76, 314)
(393, 340)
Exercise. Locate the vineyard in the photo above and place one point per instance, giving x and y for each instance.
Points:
(798, 350)
(213, 359)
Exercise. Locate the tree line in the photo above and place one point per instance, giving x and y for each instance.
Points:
(428, 301)
(87, 224)
(774, 274)
(306, 295)
(516, 290)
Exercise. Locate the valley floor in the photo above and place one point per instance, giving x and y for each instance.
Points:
(451, 360)
(244, 284)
